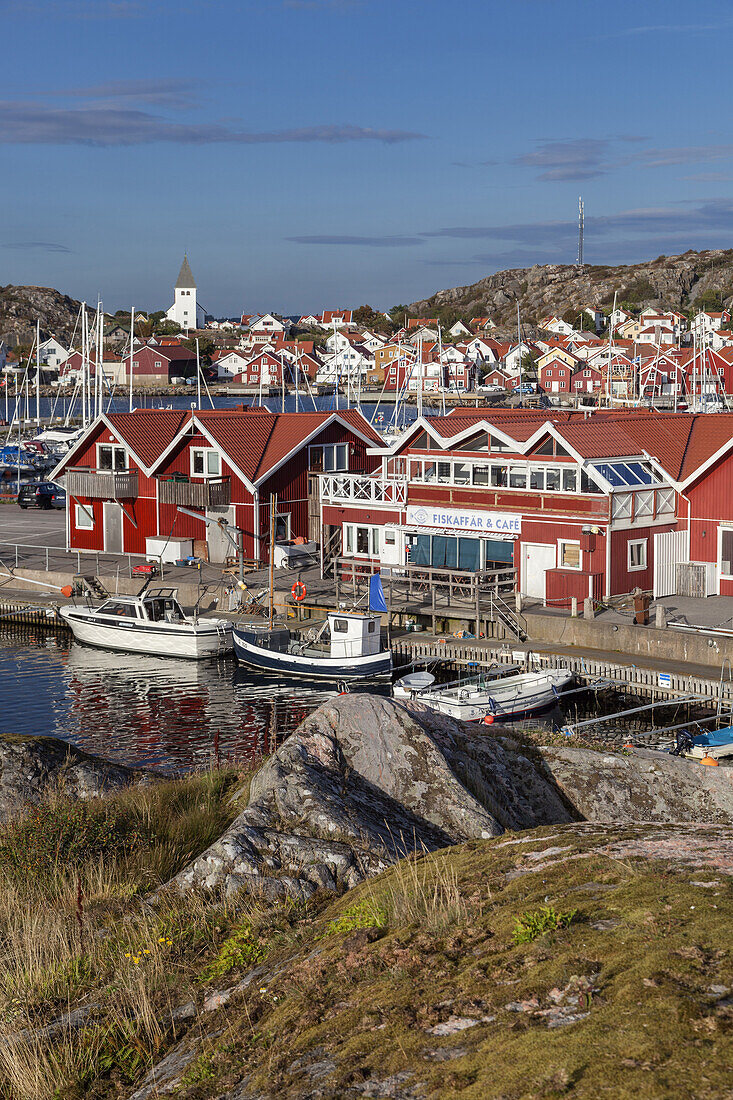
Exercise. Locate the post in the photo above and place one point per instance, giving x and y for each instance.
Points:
(588, 612)
(478, 606)
(573, 607)
(660, 616)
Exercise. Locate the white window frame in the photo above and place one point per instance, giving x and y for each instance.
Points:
(205, 452)
(638, 543)
(721, 529)
(569, 542)
(114, 447)
(84, 517)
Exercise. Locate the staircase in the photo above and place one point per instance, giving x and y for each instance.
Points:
(510, 619)
(91, 587)
(331, 550)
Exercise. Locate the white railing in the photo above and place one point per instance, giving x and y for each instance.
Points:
(358, 488)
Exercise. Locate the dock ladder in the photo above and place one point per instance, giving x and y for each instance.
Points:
(511, 620)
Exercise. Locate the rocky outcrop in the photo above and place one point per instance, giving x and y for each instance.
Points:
(674, 282)
(22, 306)
(31, 767)
(365, 781)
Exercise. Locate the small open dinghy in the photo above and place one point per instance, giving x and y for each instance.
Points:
(479, 697)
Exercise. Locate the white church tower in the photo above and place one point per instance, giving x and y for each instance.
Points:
(185, 310)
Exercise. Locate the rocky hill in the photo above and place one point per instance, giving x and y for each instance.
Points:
(22, 306)
(675, 282)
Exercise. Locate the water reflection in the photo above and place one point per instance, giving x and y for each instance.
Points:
(141, 710)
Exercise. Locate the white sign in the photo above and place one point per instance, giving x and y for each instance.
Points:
(665, 680)
(461, 519)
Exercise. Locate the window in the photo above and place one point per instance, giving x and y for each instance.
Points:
(552, 480)
(568, 554)
(726, 551)
(461, 473)
(158, 364)
(348, 539)
(500, 444)
(498, 477)
(340, 626)
(537, 479)
(517, 477)
(569, 481)
(84, 519)
(390, 536)
(362, 540)
(637, 554)
(336, 457)
(205, 462)
(481, 475)
(111, 457)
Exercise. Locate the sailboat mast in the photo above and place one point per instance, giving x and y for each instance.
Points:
(132, 349)
(38, 373)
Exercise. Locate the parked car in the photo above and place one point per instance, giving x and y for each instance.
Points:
(491, 388)
(41, 494)
(526, 387)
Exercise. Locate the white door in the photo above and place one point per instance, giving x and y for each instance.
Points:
(537, 558)
(555, 387)
(218, 544)
(112, 528)
(670, 548)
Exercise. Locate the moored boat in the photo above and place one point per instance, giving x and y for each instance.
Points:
(500, 697)
(347, 646)
(151, 622)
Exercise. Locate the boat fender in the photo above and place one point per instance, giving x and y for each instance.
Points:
(299, 591)
(488, 719)
(67, 591)
(710, 761)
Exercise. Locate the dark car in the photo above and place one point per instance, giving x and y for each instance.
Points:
(41, 494)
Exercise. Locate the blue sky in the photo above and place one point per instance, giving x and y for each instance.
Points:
(319, 153)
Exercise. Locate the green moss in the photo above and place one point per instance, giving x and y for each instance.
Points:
(365, 914)
(241, 949)
(539, 922)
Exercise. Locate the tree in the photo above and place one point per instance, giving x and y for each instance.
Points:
(207, 348)
(167, 328)
(369, 318)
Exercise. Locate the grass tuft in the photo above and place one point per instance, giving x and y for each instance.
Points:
(531, 925)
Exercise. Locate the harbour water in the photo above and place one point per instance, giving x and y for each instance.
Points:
(146, 711)
(175, 715)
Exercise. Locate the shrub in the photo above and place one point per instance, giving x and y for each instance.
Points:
(242, 948)
(365, 914)
(531, 925)
(66, 833)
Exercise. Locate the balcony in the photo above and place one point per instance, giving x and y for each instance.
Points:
(214, 492)
(101, 484)
(362, 489)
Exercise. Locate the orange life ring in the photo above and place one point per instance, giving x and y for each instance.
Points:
(299, 591)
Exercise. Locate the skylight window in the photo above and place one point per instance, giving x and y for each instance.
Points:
(625, 475)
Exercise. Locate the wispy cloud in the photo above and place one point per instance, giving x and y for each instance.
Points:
(76, 9)
(40, 246)
(316, 5)
(680, 154)
(581, 159)
(371, 242)
(171, 92)
(710, 177)
(646, 231)
(43, 124)
(669, 28)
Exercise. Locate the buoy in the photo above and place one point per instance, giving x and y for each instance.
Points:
(710, 761)
(298, 591)
(67, 591)
(628, 745)
(488, 719)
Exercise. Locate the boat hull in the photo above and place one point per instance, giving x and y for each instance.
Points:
(370, 667)
(504, 702)
(193, 641)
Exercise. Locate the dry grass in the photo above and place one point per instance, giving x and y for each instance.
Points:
(78, 932)
(422, 892)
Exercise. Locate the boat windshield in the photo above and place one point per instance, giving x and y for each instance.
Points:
(163, 609)
(119, 608)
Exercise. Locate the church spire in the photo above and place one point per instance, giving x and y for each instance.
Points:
(185, 279)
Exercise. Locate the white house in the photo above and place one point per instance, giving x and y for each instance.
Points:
(459, 329)
(618, 317)
(52, 353)
(268, 325)
(557, 325)
(230, 363)
(513, 358)
(185, 311)
(705, 323)
(479, 351)
(349, 362)
(373, 340)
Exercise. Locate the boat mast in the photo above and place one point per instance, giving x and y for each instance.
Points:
(38, 374)
(198, 375)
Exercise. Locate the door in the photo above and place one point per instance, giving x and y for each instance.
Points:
(670, 548)
(217, 543)
(112, 528)
(314, 508)
(555, 387)
(537, 558)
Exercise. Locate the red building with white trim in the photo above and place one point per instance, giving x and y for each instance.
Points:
(131, 474)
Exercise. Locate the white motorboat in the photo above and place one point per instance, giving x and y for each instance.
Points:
(480, 697)
(347, 646)
(151, 622)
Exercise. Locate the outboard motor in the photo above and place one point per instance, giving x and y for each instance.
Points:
(683, 743)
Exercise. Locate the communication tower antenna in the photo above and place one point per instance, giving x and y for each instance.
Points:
(580, 232)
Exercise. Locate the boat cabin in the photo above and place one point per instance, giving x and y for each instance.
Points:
(354, 635)
(157, 606)
(351, 635)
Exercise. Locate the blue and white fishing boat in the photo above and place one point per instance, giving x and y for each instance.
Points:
(710, 745)
(346, 646)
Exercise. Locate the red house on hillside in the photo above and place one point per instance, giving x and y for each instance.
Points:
(131, 474)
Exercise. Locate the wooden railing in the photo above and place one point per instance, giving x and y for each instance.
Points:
(361, 488)
(101, 484)
(214, 492)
